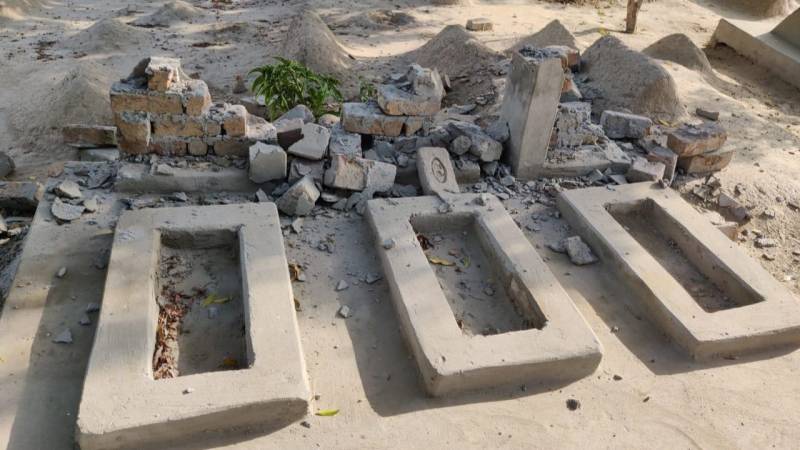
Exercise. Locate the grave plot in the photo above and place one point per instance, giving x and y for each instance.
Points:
(705, 292)
(477, 305)
(197, 331)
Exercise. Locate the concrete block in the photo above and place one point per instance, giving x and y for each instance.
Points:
(436, 174)
(197, 147)
(419, 92)
(138, 178)
(529, 106)
(645, 170)
(359, 174)
(450, 361)
(300, 199)
(178, 125)
(299, 168)
(122, 405)
(467, 171)
(167, 146)
(267, 162)
(630, 226)
(314, 144)
(367, 118)
(299, 112)
(480, 24)
(288, 131)
(480, 143)
(196, 98)
(656, 153)
(162, 73)
(690, 140)
(133, 132)
(706, 162)
(570, 57)
(344, 143)
(619, 125)
(126, 97)
(234, 122)
(23, 196)
(89, 136)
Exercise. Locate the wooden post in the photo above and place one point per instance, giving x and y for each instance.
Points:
(633, 11)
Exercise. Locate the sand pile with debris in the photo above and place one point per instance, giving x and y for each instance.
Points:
(382, 19)
(106, 36)
(16, 9)
(622, 79)
(171, 13)
(554, 33)
(762, 8)
(679, 49)
(80, 97)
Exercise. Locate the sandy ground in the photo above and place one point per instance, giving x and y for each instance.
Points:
(360, 365)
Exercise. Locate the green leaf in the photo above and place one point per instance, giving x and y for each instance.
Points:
(327, 412)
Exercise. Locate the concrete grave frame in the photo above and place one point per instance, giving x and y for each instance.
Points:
(565, 348)
(771, 322)
(123, 406)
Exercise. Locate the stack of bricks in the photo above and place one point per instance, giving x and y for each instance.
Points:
(158, 109)
(700, 147)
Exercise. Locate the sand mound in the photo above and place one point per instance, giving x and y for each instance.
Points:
(679, 49)
(382, 19)
(16, 9)
(554, 33)
(619, 78)
(311, 42)
(455, 51)
(106, 36)
(81, 96)
(170, 14)
(761, 8)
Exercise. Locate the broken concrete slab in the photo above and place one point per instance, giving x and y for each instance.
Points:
(122, 405)
(480, 143)
(450, 361)
(529, 107)
(690, 140)
(418, 92)
(706, 162)
(89, 136)
(367, 118)
(298, 112)
(300, 199)
(773, 48)
(645, 170)
(133, 177)
(436, 174)
(314, 143)
(657, 153)
(619, 125)
(288, 131)
(359, 174)
(344, 143)
(630, 226)
(267, 163)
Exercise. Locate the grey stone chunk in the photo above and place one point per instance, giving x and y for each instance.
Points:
(299, 168)
(314, 143)
(467, 171)
(288, 131)
(644, 170)
(267, 163)
(65, 337)
(300, 199)
(479, 24)
(64, 211)
(619, 125)
(20, 195)
(91, 205)
(100, 154)
(574, 126)
(665, 156)
(436, 174)
(359, 174)
(6, 165)
(68, 189)
(367, 118)
(417, 93)
(344, 143)
(481, 145)
(299, 112)
(579, 253)
(460, 145)
(89, 136)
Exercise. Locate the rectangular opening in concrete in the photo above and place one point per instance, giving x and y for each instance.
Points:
(481, 296)
(201, 325)
(713, 286)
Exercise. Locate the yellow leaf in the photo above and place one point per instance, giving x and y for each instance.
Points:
(327, 412)
(440, 261)
(213, 299)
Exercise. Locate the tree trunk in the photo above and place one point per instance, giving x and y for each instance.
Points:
(633, 11)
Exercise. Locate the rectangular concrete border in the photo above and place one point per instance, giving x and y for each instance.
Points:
(137, 178)
(773, 322)
(449, 361)
(124, 407)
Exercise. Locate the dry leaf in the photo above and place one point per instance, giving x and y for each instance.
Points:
(213, 299)
(440, 261)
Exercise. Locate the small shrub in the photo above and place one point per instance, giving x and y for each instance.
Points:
(288, 83)
(366, 90)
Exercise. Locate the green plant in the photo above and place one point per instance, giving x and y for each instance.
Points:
(366, 90)
(288, 83)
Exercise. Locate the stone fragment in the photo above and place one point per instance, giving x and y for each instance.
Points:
(234, 122)
(128, 97)
(267, 163)
(619, 125)
(480, 24)
(162, 73)
(690, 140)
(65, 212)
(574, 126)
(65, 337)
(436, 174)
(289, 131)
(314, 143)
(299, 112)
(254, 105)
(89, 136)
(68, 189)
(467, 171)
(344, 311)
(573, 94)
(481, 145)
(665, 156)
(707, 162)
(328, 120)
(570, 57)
(99, 154)
(530, 104)
(344, 143)
(23, 196)
(706, 114)
(195, 98)
(342, 285)
(90, 204)
(359, 174)
(300, 167)
(133, 129)
(579, 253)
(644, 170)
(300, 199)
(367, 118)
(6, 165)
(460, 145)
(418, 93)
(764, 242)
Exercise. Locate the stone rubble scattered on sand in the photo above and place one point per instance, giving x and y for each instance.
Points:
(344, 312)
(64, 337)
(579, 253)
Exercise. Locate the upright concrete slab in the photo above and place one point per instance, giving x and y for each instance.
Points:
(435, 171)
(530, 106)
(561, 346)
(123, 406)
(765, 314)
(777, 48)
